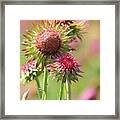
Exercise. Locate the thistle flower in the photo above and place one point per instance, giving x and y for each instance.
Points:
(46, 40)
(50, 37)
(80, 25)
(65, 65)
(77, 28)
(28, 71)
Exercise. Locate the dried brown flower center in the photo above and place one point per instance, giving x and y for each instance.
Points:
(48, 42)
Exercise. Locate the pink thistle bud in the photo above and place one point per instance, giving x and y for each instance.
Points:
(30, 65)
(66, 64)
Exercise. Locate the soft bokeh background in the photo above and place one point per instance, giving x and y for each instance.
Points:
(87, 54)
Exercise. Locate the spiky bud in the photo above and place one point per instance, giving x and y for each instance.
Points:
(28, 71)
(66, 64)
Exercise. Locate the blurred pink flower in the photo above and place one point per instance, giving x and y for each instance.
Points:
(24, 25)
(74, 43)
(95, 47)
(88, 94)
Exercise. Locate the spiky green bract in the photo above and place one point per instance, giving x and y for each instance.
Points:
(76, 28)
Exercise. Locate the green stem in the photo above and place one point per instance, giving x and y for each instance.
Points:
(44, 94)
(68, 90)
(64, 89)
(38, 88)
(61, 90)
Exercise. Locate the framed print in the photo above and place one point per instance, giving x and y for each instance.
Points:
(59, 59)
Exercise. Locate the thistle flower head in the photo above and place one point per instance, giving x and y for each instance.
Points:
(48, 42)
(47, 38)
(77, 27)
(51, 37)
(29, 66)
(28, 71)
(66, 65)
(67, 62)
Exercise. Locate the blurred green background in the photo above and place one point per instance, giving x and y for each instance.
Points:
(87, 54)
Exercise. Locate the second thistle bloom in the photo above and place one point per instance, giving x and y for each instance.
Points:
(66, 65)
(28, 71)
